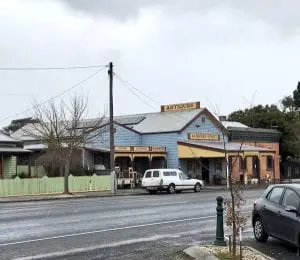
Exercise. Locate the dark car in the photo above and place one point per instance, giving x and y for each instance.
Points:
(277, 214)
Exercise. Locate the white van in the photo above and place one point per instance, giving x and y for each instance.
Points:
(170, 180)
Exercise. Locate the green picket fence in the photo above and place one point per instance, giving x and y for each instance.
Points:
(46, 185)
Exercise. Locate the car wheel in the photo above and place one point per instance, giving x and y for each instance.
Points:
(197, 187)
(171, 189)
(259, 231)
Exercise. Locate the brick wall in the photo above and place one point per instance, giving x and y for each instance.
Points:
(263, 160)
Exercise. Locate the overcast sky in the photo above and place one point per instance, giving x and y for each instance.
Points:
(217, 52)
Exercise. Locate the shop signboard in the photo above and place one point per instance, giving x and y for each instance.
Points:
(141, 149)
(158, 149)
(122, 148)
(203, 136)
(180, 106)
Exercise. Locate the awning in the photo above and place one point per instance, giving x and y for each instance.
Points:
(135, 155)
(186, 152)
(13, 150)
(129, 155)
(159, 155)
(251, 154)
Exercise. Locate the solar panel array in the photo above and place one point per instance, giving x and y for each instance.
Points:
(130, 120)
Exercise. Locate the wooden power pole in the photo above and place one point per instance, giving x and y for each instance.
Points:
(111, 129)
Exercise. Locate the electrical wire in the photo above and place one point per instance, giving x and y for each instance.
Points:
(127, 83)
(130, 87)
(56, 96)
(133, 92)
(50, 68)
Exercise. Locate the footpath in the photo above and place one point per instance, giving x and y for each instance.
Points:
(92, 194)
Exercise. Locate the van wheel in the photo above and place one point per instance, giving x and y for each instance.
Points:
(197, 187)
(259, 231)
(171, 189)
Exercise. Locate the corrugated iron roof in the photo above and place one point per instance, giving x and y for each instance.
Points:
(228, 146)
(256, 130)
(165, 121)
(7, 139)
(13, 150)
(228, 124)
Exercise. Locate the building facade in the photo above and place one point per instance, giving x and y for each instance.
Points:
(189, 137)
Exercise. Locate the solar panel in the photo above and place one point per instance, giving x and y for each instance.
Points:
(130, 120)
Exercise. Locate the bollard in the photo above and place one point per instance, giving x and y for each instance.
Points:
(220, 226)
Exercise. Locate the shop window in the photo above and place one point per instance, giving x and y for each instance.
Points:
(98, 159)
(230, 163)
(23, 159)
(297, 172)
(241, 161)
(269, 162)
(243, 164)
(190, 166)
(219, 165)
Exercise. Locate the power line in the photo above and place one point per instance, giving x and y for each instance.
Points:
(132, 91)
(127, 83)
(129, 86)
(56, 96)
(50, 68)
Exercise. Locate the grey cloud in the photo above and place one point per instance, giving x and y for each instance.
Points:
(283, 15)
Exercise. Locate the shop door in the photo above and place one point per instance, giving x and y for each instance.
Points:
(255, 167)
(205, 170)
(1, 173)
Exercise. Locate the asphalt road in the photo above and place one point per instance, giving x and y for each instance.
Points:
(131, 227)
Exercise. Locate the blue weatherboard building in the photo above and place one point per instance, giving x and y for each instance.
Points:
(184, 136)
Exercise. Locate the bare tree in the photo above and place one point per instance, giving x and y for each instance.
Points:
(234, 203)
(63, 128)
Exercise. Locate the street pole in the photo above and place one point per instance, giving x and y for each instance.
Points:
(111, 129)
(220, 226)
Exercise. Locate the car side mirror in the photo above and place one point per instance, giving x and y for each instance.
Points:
(291, 209)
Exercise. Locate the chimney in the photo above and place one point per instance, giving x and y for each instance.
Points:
(222, 118)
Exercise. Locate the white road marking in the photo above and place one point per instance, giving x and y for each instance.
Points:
(81, 250)
(169, 203)
(116, 244)
(111, 229)
(107, 230)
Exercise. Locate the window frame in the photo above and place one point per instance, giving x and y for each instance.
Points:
(147, 173)
(219, 162)
(166, 173)
(289, 189)
(155, 172)
(272, 162)
(281, 197)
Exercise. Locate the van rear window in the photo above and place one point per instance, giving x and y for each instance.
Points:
(167, 174)
(148, 175)
(155, 174)
(173, 173)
